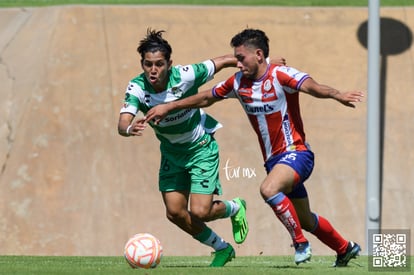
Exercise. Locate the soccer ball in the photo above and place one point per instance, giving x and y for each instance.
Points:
(143, 250)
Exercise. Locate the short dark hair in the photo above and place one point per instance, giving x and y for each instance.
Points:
(154, 42)
(252, 37)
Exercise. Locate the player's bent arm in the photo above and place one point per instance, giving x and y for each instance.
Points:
(315, 89)
(277, 60)
(224, 61)
(230, 60)
(199, 100)
(124, 124)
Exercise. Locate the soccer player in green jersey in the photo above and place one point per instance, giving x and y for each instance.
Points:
(269, 95)
(189, 154)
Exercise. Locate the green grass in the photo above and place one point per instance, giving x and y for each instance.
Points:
(44, 265)
(27, 3)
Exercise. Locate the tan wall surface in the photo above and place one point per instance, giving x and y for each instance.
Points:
(70, 185)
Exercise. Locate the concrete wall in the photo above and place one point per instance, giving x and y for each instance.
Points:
(70, 185)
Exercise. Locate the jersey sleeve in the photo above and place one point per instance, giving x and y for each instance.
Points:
(290, 78)
(225, 89)
(198, 74)
(211, 69)
(131, 101)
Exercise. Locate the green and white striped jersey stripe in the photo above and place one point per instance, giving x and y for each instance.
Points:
(181, 126)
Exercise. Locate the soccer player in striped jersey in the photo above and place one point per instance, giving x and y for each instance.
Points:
(269, 94)
(189, 154)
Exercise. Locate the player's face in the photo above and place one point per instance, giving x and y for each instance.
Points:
(156, 68)
(247, 61)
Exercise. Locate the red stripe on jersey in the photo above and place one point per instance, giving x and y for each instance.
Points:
(296, 120)
(222, 89)
(272, 106)
(286, 80)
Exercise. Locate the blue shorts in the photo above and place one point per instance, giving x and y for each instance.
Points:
(300, 161)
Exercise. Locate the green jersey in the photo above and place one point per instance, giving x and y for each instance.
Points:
(180, 130)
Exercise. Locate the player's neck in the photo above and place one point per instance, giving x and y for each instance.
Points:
(161, 86)
(262, 70)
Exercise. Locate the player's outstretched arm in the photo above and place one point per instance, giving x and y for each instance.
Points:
(315, 89)
(229, 60)
(224, 61)
(199, 100)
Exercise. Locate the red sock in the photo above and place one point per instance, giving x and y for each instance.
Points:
(286, 213)
(325, 232)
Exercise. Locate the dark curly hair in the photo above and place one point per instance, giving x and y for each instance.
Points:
(251, 37)
(154, 42)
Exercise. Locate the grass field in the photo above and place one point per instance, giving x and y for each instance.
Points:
(22, 3)
(45, 265)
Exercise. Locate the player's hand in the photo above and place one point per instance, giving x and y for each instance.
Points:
(157, 113)
(138, 127)
(348, 98)
(278, 61)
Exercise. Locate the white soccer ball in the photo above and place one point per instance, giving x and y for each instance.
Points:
(143, 250)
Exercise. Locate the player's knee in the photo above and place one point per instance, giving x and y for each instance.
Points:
(268, 190)
(201, 213)
(264, 192)
(175, 215)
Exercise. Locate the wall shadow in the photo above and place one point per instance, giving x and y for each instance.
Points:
(395, 38)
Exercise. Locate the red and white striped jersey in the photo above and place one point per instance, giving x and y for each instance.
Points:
(272, 106)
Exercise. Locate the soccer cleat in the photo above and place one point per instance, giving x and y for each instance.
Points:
(239, 222)
(352, 251)
(303, 252)
(223, 256)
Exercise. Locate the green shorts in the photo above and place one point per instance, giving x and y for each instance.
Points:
(196, 171)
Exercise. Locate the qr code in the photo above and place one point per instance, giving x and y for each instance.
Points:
(390, 250)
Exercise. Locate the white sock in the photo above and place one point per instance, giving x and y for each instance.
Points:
(234, 208)
(215, 242)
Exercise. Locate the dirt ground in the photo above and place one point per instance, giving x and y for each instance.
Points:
(70, 185)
